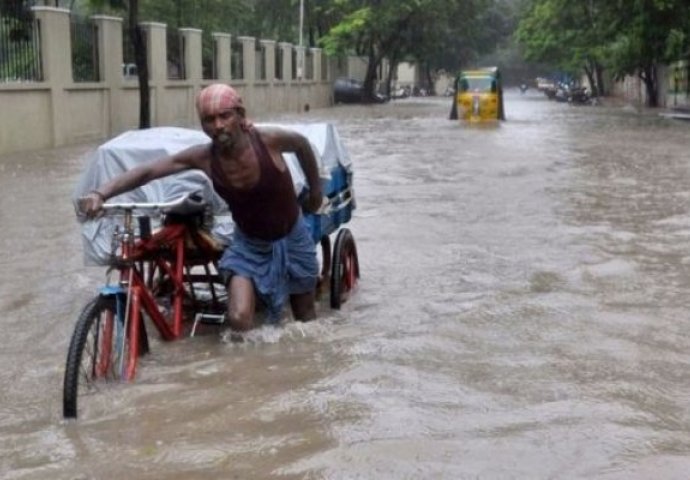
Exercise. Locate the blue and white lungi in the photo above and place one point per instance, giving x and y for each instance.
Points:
(277, 269)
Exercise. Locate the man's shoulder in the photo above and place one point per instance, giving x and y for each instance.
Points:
(277, 136)
(267, 132)
(196, 155)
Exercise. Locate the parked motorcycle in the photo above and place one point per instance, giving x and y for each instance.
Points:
(579, 96)
(562, 93)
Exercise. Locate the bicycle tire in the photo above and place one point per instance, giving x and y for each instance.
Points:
(94, 352)
(345, 268)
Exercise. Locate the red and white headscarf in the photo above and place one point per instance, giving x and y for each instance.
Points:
(218, 96)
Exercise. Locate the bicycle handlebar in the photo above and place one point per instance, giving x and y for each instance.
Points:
(185, 204)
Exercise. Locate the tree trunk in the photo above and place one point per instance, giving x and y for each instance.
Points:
(589, 71)
(370, 77)
(389, 77)
(601, 86)
(648, 76)
(137, 38)
(430, 87)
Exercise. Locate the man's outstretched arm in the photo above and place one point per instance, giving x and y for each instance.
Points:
(190, 158)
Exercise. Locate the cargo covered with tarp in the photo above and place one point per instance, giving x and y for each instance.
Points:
(135, 147)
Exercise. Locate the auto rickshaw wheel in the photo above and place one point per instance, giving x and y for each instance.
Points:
(345, 269)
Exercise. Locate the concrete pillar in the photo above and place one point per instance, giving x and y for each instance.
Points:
(223, 54)
(316, 55)
(300, 63)
(270, 55)
(109, 48)
(249, 61)
(286, 48)
(157, 55)
(192, 54)
(56, 62)
(156, 51)
(110, 67)
(56, 44)
(248, 58)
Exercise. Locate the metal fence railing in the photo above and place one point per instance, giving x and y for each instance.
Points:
(293, 61)
(308, 64)
(176, 47)
(279, 64)
(129, 65)
(237, 60)
(209, 51)
(20, 40)
(85, 64)
(324, 68)
(259, 61)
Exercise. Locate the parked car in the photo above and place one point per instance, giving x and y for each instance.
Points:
(349, 90)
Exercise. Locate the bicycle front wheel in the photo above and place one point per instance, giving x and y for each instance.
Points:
(97, 353)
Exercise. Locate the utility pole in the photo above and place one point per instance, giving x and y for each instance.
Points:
(300, 54)
(300, 60)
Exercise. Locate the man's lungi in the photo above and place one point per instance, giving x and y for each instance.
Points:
(277, 268)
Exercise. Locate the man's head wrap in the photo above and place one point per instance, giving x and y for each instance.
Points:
(218, 96)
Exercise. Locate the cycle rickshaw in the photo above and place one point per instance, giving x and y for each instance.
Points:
(161, 244)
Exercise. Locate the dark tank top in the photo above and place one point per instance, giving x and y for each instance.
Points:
(269, 209)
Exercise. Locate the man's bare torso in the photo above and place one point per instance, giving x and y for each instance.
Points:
(241, 167)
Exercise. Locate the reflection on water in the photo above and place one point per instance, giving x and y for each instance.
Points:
(522, 314)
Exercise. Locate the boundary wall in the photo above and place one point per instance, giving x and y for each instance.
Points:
(58, 111)
(673, 86)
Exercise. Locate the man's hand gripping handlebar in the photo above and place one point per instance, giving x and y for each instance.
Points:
(92, 205)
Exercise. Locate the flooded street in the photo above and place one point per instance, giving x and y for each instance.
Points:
(523, 312)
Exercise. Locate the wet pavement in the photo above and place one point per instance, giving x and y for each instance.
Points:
(523, 313)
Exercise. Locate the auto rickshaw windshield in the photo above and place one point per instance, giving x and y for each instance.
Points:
(478, 84)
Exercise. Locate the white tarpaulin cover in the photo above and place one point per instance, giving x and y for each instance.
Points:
(136, 146)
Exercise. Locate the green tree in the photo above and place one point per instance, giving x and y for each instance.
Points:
(568, 35)
(623, 37)
(650, 33)
(435, 33)
(370, 28)
(445, 36)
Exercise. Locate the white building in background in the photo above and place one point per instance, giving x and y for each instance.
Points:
(409, 75)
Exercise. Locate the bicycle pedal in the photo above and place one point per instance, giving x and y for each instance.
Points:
(207, 319)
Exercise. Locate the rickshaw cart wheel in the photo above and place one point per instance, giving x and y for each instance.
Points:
(345, 268)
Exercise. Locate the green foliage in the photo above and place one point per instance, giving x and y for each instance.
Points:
(677, 44)
(624, 37)
(211, 15)
(435, 33)
(344, 36)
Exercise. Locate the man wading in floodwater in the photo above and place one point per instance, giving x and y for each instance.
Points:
(272, 255)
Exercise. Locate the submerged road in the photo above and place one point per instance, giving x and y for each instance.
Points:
(523, 312)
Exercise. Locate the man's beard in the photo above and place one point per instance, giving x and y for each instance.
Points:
(224, 140)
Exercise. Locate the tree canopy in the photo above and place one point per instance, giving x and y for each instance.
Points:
(436, 34)
(622, 37)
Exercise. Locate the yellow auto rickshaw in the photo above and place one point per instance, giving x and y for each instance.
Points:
(478, 96)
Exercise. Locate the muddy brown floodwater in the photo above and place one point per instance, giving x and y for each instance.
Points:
(523, 312)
